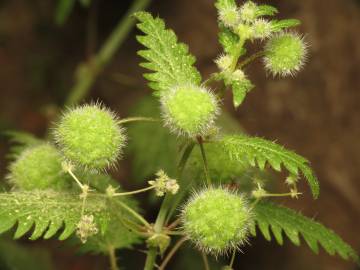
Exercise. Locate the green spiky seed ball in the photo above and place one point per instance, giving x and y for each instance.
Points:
(39, 167)
(189, 110)
(285, 54)
(217, 220)
(248, 11)
(90, 137)
(229, 16)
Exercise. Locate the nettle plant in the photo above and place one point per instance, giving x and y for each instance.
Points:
(216, 194)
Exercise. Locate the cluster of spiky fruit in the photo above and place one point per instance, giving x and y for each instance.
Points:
(285, 52)
(89, 137)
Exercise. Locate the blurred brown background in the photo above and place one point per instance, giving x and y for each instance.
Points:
(317, 113)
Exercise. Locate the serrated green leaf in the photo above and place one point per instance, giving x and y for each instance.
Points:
(244, 148)
(170, 60)
(266, 10)
(294, 224)
(228, 40)
(278, 25)
(239, 90)
(41, 208)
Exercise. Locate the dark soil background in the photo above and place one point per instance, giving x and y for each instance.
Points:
(317, 113)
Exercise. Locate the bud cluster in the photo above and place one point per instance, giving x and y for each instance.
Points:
(245, 21)
(163, 184)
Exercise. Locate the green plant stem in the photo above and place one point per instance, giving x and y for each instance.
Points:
(213, 77)
(87, 73)
(251, 58)
(138, 118)
(174, 224)
(164, 209)
(281, 194)
(76, 179)
(237, 54)
(206, 169)
(133, 192)
(183, 186)
(232, 258)
(205, 260)
(112, 258)
(172, 252)
(150, 259)
(135, 214)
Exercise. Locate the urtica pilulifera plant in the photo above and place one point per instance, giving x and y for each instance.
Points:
(214, 195)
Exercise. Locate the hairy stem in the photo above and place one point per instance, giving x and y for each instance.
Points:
(172, 252)
(232, 258)
(165, 209)
(87, 73)
(133, 192)
(76, 179)
(251, 58)
(206, 169)
(237, 54)
(112, 258)
(205, 260)
(135, 214)
(138, 118)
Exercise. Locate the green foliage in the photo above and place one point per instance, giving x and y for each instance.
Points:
(239, 89)
(228, 40)
(38, 167)
(278, 25)
(90, 136)
(266, 10)
(170, 60)
(216, 220)
(20, 141)
(17, 256)
(258, 152)
(117, 234)
(49, 212)
(151, 147)
(279, 218)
